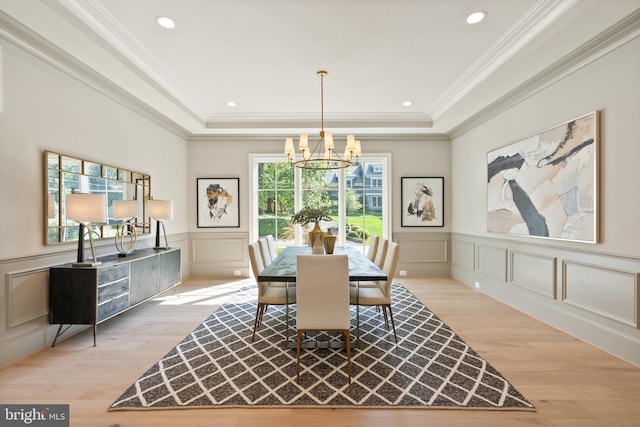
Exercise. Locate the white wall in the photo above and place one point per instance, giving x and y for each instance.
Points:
(611, 85)
(47, 109)
(589, 290)
(219, 252)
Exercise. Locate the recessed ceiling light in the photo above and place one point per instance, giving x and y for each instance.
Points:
(231, 104)
(476, 17)
(166, 22)
(407, 103)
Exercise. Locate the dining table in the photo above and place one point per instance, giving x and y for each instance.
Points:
(283, 269)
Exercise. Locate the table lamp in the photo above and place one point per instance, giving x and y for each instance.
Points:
(160, 210)
(85, 208)
(125, 210)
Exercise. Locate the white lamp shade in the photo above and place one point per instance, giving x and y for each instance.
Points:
(351, 142)
(288, 146)
(160, 209)
(328, 140)
(84, 207)
(124, 209)
(304, 142)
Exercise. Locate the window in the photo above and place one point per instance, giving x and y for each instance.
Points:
(356, 199)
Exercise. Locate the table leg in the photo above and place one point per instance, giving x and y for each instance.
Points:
(286, 311)
(357, 313)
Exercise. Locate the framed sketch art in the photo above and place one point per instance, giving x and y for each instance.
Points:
(422, 202)
(218, 202)
(547, 185)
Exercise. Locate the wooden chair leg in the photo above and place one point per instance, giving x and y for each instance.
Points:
(255, 322)
(386, 319)
(347, 344)
(392, 323)
(299, 340)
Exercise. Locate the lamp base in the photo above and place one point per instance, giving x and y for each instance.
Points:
(161, 247)
(86, 264)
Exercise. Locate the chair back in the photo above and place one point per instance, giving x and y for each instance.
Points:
(257, 265)
(390, 265)
(271, 243)
(264, 251)
(322, 292)
(373, 248)
(381, 253)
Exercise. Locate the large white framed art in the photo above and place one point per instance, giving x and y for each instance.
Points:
(547, 185)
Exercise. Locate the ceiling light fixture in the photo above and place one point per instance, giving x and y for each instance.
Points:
(407, 103)
(231, 104)
(323, 155)
(476, 17)
(165, 22)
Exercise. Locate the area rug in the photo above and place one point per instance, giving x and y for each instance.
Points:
(217, 365)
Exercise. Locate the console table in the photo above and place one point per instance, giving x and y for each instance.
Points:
(90, 295)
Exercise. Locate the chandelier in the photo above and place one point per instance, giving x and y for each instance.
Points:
(323, 155)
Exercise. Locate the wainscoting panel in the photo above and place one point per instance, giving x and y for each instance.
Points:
(464, 253)
(219, 255)
(423, 254)
(605, 291)
(27, 295)
(492, 261)
(536, 273)
(597, 295)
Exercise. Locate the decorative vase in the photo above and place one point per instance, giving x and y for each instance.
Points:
(318, 247)
(329, 242)
(315, 234)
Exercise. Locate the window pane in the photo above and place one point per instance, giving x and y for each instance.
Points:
(361, 206)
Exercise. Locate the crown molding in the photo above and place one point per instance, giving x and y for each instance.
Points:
(101, 22)
(529, 26)
(32, 43)
(279, 137)
(607, 41)
(335, 120)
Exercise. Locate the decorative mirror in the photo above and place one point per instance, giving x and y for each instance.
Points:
(65, 175)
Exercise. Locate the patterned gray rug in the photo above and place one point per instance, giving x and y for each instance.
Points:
(217, 365)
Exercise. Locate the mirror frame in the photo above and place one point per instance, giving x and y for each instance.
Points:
(64, 174)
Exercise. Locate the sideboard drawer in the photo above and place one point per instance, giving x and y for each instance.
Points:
(111, 274)
(113, 290)
(113, 307)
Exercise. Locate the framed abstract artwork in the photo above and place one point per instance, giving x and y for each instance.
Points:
(422, 202)
(547, 185)
(218, 202)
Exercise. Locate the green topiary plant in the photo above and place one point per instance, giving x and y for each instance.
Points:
(308, 215)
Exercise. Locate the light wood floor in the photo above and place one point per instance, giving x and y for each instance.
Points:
(570, 382)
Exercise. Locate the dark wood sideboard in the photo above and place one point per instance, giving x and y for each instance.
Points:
(90, 295)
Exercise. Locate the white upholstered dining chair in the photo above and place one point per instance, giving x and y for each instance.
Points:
(265, 253)
(373, 248)
(322, 299)
(381, 252)
(379, 295)
(271, 243)
(268, 294)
